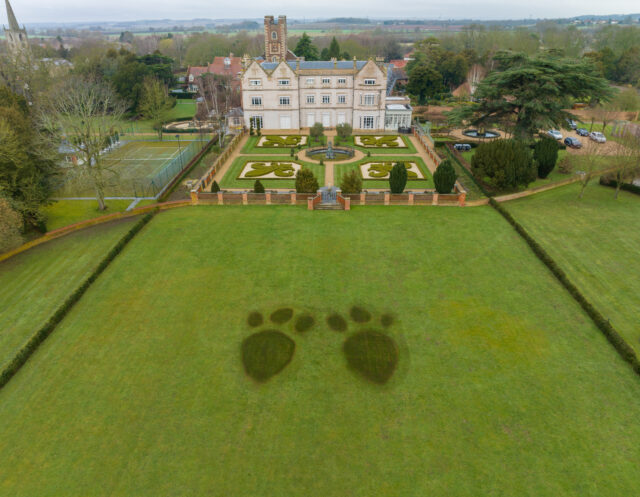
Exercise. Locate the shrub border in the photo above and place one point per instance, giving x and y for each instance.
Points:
(625, 351)
(32, 344)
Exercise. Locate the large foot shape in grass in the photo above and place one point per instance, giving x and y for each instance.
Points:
(369, 351)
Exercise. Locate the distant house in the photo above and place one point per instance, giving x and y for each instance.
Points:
(222, 66)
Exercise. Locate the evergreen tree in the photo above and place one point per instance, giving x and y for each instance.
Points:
(258, 187)
(445, 177)
(398, 178)
(504, 164)
(545, 153)
(306, 182)
(305, 48)
(351, 182)
(334, 49)
(215, 188)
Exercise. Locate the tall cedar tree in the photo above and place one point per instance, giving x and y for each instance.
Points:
(334, 49)
(398, 177)
(532, 92)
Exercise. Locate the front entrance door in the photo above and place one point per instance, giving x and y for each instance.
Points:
(285, 122)
(311, 120)
(326, 120)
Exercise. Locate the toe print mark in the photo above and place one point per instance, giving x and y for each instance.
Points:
(337, 323)
(360, 315)
(282, 316)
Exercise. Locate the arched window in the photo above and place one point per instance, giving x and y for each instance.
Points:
(274, 35)
(274, 59)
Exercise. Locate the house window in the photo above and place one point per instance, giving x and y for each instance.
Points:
(367, 122)
(342, 81)
(256, 101)
(255, 82)
(256, 120)
(370, 99)
(191, 78)
(310, 81)
(326, 99)
(274, 35)
(326, 81)
(285, 101)
(311, 99)
(369, 82)
(342, 99)
(283, 82)
(274, 59)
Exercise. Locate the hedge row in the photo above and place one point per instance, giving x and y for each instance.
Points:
(454, 157)
(629, 187)
(622, 347)
(40, 336)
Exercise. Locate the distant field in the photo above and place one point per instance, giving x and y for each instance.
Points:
(595, 240)
(503, 385)
(35, 283)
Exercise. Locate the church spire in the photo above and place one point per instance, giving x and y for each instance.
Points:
(13, 22)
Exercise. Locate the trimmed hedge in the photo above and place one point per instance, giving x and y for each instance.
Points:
(628, 187)
(625, 351)
(29, 348)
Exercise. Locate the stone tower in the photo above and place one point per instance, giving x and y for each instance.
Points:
(275, 38)
(16, 37)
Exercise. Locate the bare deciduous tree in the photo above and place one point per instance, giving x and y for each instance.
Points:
(86, 114)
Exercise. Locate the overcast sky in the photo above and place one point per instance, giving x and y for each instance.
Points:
(118, 10)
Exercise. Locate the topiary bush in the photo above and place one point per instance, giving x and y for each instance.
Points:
(316, 131)
(306, 182)
(258, 187)
(215, 188)
(344, 131)
(504, 164)
(445, 177)
(545, 153)
(398, 178)
(351, 182)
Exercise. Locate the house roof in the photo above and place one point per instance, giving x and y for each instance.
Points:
(218, 66)
(399, 63)
(317, 64)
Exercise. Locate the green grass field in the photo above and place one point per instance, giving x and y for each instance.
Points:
(341, 169)
(231, 179)
(34, 284)
(503, 385)
(595, 240)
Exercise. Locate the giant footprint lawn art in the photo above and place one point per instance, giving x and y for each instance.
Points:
(369, 352)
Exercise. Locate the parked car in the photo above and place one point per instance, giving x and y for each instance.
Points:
(572, 142)
(582, 132)
(462, 146)
(555, 134)
(572, 124)
(596, 136)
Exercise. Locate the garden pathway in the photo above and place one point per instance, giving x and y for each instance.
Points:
(227, 164)
(423, 155)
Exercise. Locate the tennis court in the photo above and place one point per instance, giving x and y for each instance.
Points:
(135, 169)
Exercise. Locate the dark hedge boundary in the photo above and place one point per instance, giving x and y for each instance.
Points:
(627, 187)
(41, 335)
(622, 347)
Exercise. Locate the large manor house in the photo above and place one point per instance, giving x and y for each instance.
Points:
(283, 92)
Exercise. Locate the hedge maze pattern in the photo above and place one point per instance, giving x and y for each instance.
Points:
(287, 141)
(368, 141)
(272, 170)
(369, 352)
(382, 170)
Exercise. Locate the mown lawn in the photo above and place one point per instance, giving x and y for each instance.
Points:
(65, 212)
(341, 169)
(503, 386)
(595, 240)
(231, 178)
(34, 284)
